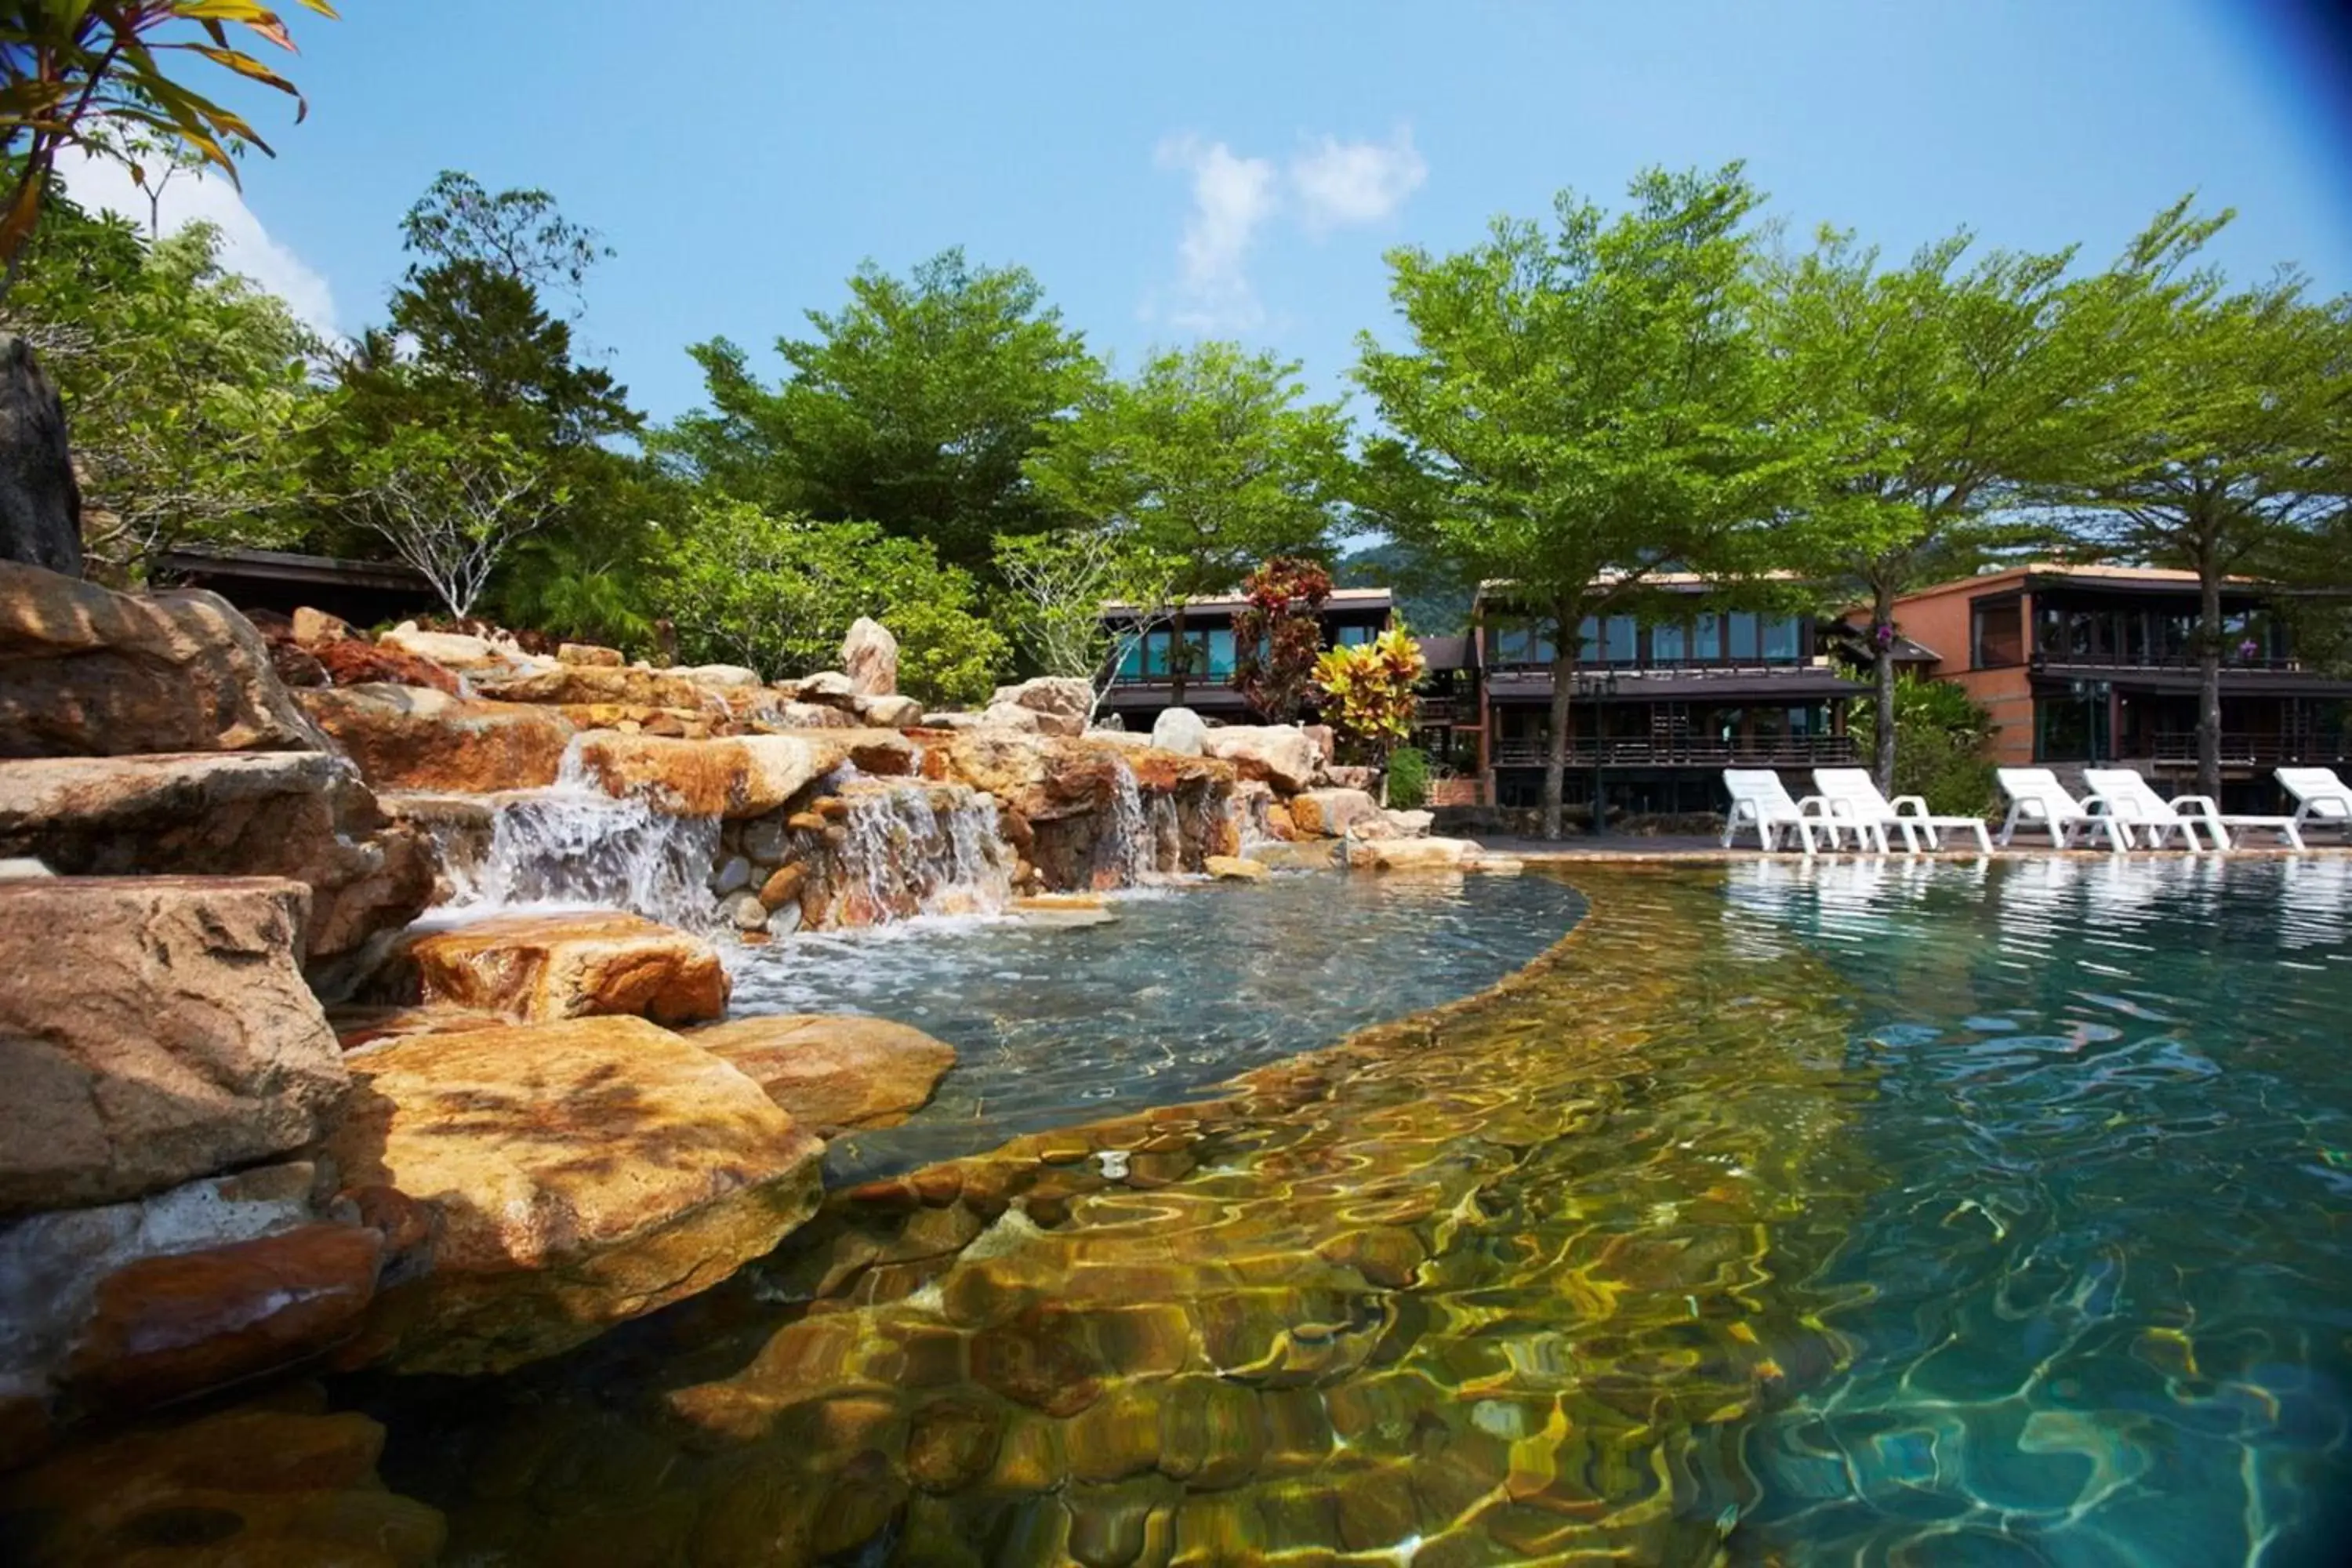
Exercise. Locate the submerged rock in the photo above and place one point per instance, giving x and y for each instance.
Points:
(410, 738)
(284, 814)
(834, 1072)
(154, 1029)
(738, 776)
(546, 967)
(87, 672)
(584, 1173)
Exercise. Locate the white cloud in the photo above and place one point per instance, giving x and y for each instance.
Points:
(1232, 198)
(246, 246)
(1341, 182)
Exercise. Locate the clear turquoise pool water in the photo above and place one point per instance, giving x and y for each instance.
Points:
(2099, 1305)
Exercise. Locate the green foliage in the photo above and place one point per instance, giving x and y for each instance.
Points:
(83, 73)
(1207, 458)
(914, 407)
(1277, 636)
(1408, 779)
(777, 592)
(1431, 593)
(449, 500)
(187, 388)
(1368, 692)
(1056, 585)
(1577, 412)
(1942, 740)
(518, 234)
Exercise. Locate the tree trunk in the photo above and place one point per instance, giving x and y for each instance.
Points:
(2209, 679)
(1177, 661)
(1882, 762)
(1563, 681)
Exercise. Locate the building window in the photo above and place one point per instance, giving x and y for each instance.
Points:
(1779, 634)
(1355, 636)
(1997, 634)
(1518, 644)
(1220, 655)
(1741, 630)
(1706, 639)
(1669, 645)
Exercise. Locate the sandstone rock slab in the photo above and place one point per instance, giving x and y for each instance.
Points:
(451, 650)
(302, 814)
(585, 1173)
(542, 968)
(86, 671)
(869, 656)
(352, 661)
(1411, 854)
(581, 683)
(1281, 754)
(1330, 812)
(592, 654)
(410, 738)
(834, 1072)
(734, 776)
(154, 1029)
(1235, 869)
(1062, 703)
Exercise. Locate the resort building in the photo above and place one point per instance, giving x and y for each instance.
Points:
(1661, 706)
(2098, 664)
(1144, 685)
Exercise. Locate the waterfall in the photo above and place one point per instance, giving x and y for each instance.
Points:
(908, 848)
(572, 843)
(1126, 848)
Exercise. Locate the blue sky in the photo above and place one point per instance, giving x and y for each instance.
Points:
(1240, 169)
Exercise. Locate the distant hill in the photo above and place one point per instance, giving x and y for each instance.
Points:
(1435, 604)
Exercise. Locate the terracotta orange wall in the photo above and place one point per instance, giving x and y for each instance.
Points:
(1941, 621)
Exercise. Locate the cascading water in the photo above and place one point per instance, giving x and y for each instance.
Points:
(1126, 848)
(572, 843)
(910, 848)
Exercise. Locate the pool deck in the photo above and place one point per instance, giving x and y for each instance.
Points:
(1699, 850)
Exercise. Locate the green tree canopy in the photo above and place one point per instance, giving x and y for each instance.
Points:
(1579, 411)
(2237, 456)
(744, 586)
(1210, 457)
(914, 407)
(1944, 399)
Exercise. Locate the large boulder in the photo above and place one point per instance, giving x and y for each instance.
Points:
(1411, 854)
(1331, 813)
(1180, 729)
(154, 1029)
(1281, 754)
(413, 737)
(302, 814)
(836, 1073)
(541, 968)
(892, 712)
(1043, 778)
(583, 1174)
(575, 683)
(736, 776)
(1063, 703)
(353, 661)
(40, 504)
(869, 656)
(87, 672)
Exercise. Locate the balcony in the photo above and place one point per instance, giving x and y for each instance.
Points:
(2180, 663)
(1784, 752)
(2239, 750)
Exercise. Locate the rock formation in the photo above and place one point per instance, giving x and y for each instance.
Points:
(413, 737)
(869, 656)
(833, 1073)
(542, 968)
(40, 503)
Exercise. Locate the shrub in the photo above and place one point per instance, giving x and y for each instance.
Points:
(1940, 737)
(1408, 779)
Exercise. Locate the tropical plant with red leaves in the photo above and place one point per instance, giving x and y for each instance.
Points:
(1278, 635)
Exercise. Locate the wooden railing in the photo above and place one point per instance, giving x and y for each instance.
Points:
(1785, 751)
(2259, 751)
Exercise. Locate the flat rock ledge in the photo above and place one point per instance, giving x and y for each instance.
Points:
(836, 1073)
(542, 968)
(581, 1174)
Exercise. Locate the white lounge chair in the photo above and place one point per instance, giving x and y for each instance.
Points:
(2128, 798)
(1760, 800)
(1853, 794)
(2321, 799)
(2036, 799)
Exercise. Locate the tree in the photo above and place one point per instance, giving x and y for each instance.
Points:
(1208, 456)
(913, 408)
(1578, 414)
(188, 388)
(777, 592)
(1369, 693)
(1947, 739)
(517, 235)
(79, 73)
(2238, 455)
(1943, 398)
(1059, 585)
(1278, 635)
(450, 501)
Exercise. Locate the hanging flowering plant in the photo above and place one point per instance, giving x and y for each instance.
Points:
(1368, 692)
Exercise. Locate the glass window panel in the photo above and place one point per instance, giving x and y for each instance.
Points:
(1355, 636)
(2049, 631)
(1220, 655)
(1707, 639)
(1587, 635)
(1742, 633)
(2078, 634)
(1668, 645)
(1621, 632)
(1131, 663)
(1155, 655)
(1780, 638)
(2000, 635)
